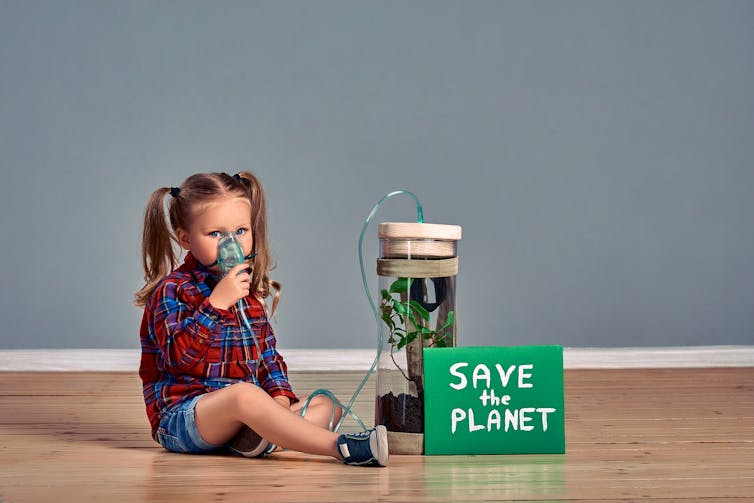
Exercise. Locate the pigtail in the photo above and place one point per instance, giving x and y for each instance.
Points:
(157, 252)
(261, 284)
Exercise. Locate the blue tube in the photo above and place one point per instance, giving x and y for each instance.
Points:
(347, 408)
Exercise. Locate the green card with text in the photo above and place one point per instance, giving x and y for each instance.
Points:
(494, 400)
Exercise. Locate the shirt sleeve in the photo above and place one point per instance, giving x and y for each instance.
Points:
(182, 330)
(274, 372)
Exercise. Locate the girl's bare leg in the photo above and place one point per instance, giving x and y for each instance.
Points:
(319, 411)
(220, 414)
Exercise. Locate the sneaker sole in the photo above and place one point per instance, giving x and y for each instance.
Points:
(380, 445)
(248, 443)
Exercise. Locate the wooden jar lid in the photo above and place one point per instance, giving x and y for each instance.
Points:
(412, 240)
(415, 230)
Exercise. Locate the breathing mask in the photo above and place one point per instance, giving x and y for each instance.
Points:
(230, 253)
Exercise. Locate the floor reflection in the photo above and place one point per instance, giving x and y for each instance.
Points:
(477, 478)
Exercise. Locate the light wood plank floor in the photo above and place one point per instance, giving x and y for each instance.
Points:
(671, 434)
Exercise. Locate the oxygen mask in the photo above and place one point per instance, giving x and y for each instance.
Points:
(230, 253)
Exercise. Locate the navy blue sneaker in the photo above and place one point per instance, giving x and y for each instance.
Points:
(269, 449)
(367, 448)
(250, 444)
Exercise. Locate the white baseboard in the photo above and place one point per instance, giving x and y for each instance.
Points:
(127, 360)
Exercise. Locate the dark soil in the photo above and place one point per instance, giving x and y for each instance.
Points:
(404, 413)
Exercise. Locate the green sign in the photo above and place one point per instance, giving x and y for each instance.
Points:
(494, 400)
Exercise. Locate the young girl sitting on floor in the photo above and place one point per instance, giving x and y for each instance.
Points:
(206, 388)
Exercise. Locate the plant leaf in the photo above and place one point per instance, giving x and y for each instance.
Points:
(385, 294)
(400, 285)
(419, 309)
(451, 319)
(401, 308)
(411, 337)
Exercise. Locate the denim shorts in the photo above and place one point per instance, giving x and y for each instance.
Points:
(177, 431)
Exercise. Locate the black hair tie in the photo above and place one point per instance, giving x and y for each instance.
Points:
(174, 191)
(241, 179)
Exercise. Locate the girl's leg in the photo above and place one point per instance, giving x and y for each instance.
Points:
(319, 411)
(220, 414)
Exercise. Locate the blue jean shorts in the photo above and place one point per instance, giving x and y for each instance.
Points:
(177, 431)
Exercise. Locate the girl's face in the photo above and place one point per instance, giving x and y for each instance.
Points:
(207, 226)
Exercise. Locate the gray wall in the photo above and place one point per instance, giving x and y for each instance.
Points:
(598, 154)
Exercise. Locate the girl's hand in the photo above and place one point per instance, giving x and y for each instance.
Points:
(233, 287)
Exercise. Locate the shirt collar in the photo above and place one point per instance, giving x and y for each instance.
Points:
(200, 271)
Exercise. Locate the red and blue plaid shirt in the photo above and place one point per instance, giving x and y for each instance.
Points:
(189, 347)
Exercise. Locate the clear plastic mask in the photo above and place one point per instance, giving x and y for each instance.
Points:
(229, 253)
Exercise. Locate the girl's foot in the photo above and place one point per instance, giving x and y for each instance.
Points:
(367, 448)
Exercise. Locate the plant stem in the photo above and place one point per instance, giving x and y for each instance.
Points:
(392, 357)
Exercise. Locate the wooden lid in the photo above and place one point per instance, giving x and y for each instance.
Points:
(402, 268)
(415, 230)
(417, 248)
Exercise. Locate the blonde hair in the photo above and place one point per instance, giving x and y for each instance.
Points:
(158, 252)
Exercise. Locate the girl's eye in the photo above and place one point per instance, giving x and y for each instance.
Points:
(241, 231)
(215, 234)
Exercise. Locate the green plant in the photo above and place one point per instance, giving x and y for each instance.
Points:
(407, 320)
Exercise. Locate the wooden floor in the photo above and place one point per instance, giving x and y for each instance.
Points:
(670, 434)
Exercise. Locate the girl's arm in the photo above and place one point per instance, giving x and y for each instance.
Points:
(274, 372)
(183, 325)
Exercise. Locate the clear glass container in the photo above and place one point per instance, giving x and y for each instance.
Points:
(417, 270)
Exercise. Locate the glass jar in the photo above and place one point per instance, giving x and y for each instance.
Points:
(417, 268)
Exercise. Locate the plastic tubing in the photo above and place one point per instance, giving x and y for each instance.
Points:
(347, 408)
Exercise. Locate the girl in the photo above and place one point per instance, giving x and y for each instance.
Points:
(206, 387)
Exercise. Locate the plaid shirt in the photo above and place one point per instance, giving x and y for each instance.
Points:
(189, 347)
